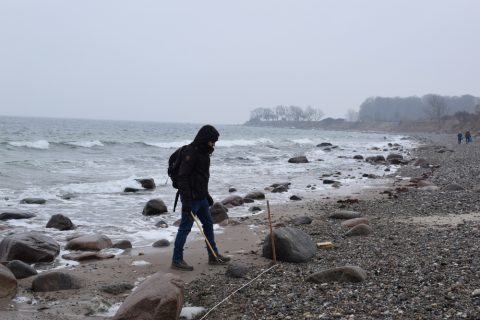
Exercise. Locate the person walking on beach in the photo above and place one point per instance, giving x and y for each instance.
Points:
(468, 137)
(460, 137)
(193, 177)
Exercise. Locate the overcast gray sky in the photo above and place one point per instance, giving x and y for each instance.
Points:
(214, 61)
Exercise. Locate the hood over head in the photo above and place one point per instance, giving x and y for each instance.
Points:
(205, 134)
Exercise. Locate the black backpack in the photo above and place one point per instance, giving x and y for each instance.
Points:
(173, 166)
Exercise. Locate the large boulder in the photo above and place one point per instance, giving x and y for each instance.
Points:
(15, 214)
(60, 222)
(375, 159)
(154, 207)
(122, 244)
(160, 296)
(255, 195)
(291, 245)
(300, 159)
(8, 283)
(56, 281)
(453, 187)
(147, 183)
(92, 242)
(233, 200)
(340, 274)
(29, 247)
(20, 269)
(218, 212)
(33, 201)
(280, 189)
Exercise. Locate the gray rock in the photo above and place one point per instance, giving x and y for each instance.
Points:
(295, 198)
(8, 283)
(278, 184)
(344, 214)
(60, 222)
(340, 274)
(29, 247)
(85, 256)
(154, 207)
(358, 157)
(234, 200)
(117, 289)
(300, 159)
(56, 281)
(131, 190)
(219, 212)
(255, 209)
(20, 269)
(395, 156)
(122, 244)
(280, 189)
(33, 201)
(236, 270)
(147, 183)
(350, 223)
(301, 220)
(248, 200)
(230, 190)
(15, 214)
(359, 230)
(93, 242)
(255, 195)
(160, 296)
(161, 243)
(324, 144)
(161, 224)
(291, 245)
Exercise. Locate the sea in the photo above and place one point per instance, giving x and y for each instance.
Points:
(93, 161)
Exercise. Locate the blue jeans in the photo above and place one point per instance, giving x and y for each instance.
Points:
(202, 210)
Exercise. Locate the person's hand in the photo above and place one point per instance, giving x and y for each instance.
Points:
(210, 200)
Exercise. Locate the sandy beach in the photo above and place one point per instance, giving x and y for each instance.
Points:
(422, 259)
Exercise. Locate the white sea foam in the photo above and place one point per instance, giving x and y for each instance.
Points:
(302, 141)
(191, 312)
(168, 145)
(39, 144)
(242, 142)
(86, 144)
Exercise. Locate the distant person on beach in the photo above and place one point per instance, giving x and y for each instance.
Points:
(193, 177)
(468, 137)
(460, 137)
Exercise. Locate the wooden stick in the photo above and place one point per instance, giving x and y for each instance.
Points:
(274, 254)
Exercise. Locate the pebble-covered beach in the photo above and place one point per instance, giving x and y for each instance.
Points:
(422, 258)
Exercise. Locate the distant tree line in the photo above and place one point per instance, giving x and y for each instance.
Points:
(427, 107)
(284, 113)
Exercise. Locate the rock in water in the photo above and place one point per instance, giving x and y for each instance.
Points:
(218, 212)
(154, 207)
(33, 201)
(234, 200)
(160, 296)
(300, 159)
(147, 183)
(29, 247)
(255, 195)
(291, 245)
(340, 274)
(60, 222)
(15, 214)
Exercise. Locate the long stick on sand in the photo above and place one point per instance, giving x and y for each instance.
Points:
(274, 255)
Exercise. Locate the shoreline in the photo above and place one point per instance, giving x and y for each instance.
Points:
(386, 256)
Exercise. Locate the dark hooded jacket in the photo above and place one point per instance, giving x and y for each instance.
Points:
(194, 171)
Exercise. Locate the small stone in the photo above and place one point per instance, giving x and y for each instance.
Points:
(161, 243)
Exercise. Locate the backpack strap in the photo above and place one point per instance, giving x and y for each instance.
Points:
(176, 200)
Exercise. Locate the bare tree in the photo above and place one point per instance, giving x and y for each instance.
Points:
(436, 107)
(351, 115)
(281, 112)
(294, 113)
